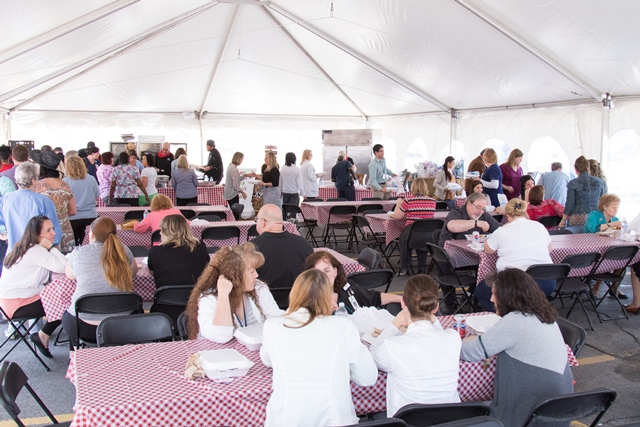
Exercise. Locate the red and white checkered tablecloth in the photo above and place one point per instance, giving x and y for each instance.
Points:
(56, 296)
(320, 210)
(132, 238)
(213, 195)
(119, 386)
(350, 265)
(563, 245)
(329, 192)
(117, 213)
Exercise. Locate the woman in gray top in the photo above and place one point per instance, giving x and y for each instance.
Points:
(532, 357)
(232, 184)
(185, 183)
(86, 191)
(104, 265)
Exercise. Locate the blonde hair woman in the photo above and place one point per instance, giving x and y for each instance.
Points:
(314, 355)
(185, 183)
(492, 176)
(511, 174)
(270, 180)
(309, 179)
(104, 265)
(161, 206)
(85, 191)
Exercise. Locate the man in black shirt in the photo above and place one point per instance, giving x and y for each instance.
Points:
(214, 169)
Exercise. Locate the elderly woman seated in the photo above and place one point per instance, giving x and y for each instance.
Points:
(539, 208)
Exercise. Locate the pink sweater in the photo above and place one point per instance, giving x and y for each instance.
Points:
(152, 221)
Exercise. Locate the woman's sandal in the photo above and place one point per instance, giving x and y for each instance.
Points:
(35, 339)
(632, 309)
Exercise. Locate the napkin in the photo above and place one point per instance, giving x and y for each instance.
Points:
(194, 370)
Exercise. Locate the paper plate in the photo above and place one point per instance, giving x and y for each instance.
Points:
(482, 324)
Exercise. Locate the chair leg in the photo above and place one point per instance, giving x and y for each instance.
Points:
(612, 290)
(57, 340)
(584, 309)
(23, 338)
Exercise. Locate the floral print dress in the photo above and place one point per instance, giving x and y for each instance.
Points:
(60, 197)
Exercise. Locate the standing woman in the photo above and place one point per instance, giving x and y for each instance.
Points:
(444, 177)
(596, 170)
(124, 180)
(185, 183)
(179, 152)
(314, 355)
(271, 180)
(583, 194)
(309, 178)
(60, 193)
(148, 176)
(232, 184)
(532, 358)
(290, 180)
(492, 176)
(85, 192)
(511, 174)
(26, 270)
(104, 175)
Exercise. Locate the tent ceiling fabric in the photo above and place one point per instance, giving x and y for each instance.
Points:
(348, 58)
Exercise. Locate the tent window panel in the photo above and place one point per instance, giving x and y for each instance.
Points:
(621, 158)
(501, 148)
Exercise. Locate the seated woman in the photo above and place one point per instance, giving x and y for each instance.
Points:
(161, 206)
(324, 261)
(605, 217)
(314, 355)
(532, 358)
(26, 270)
(520, 244)
(104, 265)
(229, 296)
(539, 208)
(180, 258)
(426, 354)
(416, 206)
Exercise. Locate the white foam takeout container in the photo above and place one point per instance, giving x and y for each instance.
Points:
(225, 363)
(481, 239)
(250, 337)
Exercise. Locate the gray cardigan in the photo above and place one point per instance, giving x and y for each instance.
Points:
(185, 183)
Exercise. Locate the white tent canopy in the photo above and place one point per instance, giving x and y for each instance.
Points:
(278, 72)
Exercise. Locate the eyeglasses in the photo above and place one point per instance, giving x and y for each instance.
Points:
(256, 219)
(480, 208)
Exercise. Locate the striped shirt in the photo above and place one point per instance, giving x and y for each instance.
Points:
(418, 207)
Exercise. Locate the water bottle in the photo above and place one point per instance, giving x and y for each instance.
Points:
(625, 226)
(341, 311)
(145, 213)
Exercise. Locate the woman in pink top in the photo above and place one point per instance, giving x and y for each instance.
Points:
(161, 206)
(511, 174)
(104, 175)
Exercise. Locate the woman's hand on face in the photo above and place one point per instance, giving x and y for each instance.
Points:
(45, 243)
(403, 319)
(224, 286)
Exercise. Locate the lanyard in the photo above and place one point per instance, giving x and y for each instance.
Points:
(244, 312)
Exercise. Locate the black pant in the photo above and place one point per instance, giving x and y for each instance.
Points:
(79, 226)
(348, 193)
(233, 201)
(185, 202)
(87, 330)
(34, 310)
(132, 202)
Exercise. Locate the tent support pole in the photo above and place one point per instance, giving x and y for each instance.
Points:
(529, 47)
(604, 134)
(453, 126)
(118, 48)
(306, 54)
(377, 67)
(69, 27)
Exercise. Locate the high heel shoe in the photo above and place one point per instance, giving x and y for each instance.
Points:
(630, 308)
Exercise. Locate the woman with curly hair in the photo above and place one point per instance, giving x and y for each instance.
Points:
(532, 359)
(229, 296)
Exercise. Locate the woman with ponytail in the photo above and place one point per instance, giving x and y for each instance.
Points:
(229, 296)
(104, 265)
(422, 363)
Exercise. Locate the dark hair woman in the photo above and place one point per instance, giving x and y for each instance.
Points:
(443, 178)
(103, 173)
(27, 269)
(291, 181)
(532, 357)
(526, 184)
(124, 180)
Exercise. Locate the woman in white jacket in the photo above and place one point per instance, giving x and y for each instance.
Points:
(314, 355)
(308, 174)
(229, 296)
(443, 178)
(423, 363)
(27, 270)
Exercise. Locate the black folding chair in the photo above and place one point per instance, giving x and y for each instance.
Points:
(370, 258)
(420, 226)
(139, 215)
(550, 221)
(220, 214)
(452, 278)
(12, 380)
(309, 224)
(618, 253)
(418, 415)
(331, 227)
(221, 233)
(182, 326)
(559, 232)
(372, 279)
(387, 422)
(171, 300)
(198, 204)
(237, 209)
(252, 233)
(156, 237)
(20, 328)
(134, 329)
(557, 272)
(139, 251)
(362, 209)
(574, 336)
(441, 206)
(208, 217)
(368, 237)
(572, 407)
(108, 303)
(118, 205)
(370, 199)
(337, 199)
(578, 287)
(474, 422)
(188, 213)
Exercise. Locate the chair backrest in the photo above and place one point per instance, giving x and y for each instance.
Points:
(387, 422)
(108, 303)
(292, 210)
(118, 205)
(12, 380)
(372, 278)
(342, 210)
(582, 260)
(498, 218)
(370, 199)
(220, 214)
(221, 233)
(337, 199)
(436, 236)
(188, 213)
(369, 207)
(198, 204)
(134, 329)
(474, 422)
(619, 253)
(252, 232)
(559, 232)
(441, 206)
(442, 259)
(139, 215)
(156, 237)
(569, 407)
(182, 326)
(139, 251)
(370, 258)
(208, 217)
(574, 336)
(550, 221)
(172, 295)
(426, 225)
(237, 209)
(575, 229)
(430, 415)
(549, 271)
